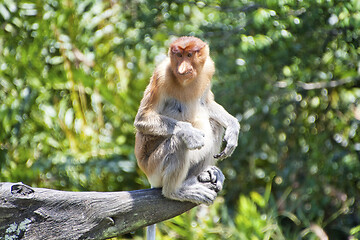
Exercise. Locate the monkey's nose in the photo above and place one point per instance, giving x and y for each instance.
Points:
(184, 68)
(186, 72)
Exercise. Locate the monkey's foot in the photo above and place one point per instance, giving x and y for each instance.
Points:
(201, 189)
(214, 176)
(195, 191)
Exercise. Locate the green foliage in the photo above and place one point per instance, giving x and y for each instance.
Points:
(251, 221)
(72, 74)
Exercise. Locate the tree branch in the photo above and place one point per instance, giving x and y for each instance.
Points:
(39, 213)
(330, 84)
(319, 85)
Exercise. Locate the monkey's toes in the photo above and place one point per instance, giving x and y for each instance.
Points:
(214, 176)
(196, 192)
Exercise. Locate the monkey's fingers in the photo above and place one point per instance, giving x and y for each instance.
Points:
(193, 138)
(231, 144)
(226, 153)
(219, 155)
(194, 143)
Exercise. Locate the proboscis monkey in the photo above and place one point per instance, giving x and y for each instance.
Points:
(180, 127)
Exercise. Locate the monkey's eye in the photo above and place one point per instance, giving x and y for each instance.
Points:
(189, 55)
(179, 55)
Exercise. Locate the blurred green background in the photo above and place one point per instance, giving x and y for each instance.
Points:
(72, 74)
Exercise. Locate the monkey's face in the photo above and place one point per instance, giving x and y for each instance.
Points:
(187, 56)
(183, 66)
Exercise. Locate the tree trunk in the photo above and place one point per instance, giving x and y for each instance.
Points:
(39, 213)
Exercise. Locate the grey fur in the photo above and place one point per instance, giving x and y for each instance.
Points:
(177, 169)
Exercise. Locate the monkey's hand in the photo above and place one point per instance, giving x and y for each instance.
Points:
(231, 138)
(192, 137)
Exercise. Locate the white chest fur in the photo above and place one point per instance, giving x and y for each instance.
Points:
(197, 114)
(201, 121)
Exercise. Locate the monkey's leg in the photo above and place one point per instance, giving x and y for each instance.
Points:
(195, 191)
(191, 189)
(172, 167)
(151, 231)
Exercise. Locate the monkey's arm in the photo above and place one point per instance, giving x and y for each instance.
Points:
(231, 124)
(152, 123)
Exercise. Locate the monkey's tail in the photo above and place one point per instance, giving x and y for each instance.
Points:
(150, 232)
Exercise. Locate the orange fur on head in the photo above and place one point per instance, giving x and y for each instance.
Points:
(190, 69)
(189, 44)
(188, 56)
(167, 80)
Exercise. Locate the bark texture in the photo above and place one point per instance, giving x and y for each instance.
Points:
(39, 213)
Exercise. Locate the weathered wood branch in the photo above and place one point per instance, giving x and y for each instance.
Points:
(39, 213)
(319, 85)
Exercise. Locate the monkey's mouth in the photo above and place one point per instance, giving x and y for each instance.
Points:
(185, 73)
